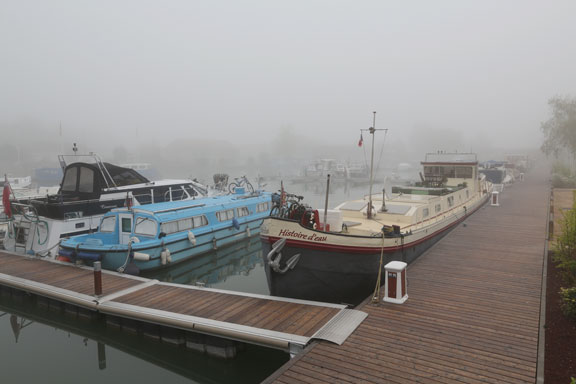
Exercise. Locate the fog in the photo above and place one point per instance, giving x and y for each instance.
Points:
(260, 86)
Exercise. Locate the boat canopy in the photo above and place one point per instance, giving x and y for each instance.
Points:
(87, 180)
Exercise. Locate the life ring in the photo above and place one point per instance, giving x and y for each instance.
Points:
(311, 219)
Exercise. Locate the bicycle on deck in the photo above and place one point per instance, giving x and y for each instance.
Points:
(241, 182)
(288, 206)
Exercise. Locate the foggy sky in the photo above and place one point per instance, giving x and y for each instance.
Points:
(243, 71)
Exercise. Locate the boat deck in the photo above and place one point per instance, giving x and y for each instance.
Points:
(473, 313)
(276, 322)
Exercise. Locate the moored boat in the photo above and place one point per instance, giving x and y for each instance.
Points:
(339, 259)
(89, 188)
(158, 235)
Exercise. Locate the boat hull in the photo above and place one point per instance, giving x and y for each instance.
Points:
(319, 274)
(180, 249)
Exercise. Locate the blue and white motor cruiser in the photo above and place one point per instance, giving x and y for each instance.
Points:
(157, 235)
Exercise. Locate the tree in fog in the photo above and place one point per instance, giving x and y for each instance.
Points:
(560, 129)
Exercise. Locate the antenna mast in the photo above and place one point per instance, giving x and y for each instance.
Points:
(372, 130)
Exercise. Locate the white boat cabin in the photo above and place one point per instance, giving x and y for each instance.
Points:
(448, 185)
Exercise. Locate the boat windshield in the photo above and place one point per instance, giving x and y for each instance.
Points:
(145, 226)
(108, 224)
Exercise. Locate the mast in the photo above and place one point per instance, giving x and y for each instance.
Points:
(372, 130)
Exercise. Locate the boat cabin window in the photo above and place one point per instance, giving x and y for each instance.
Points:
(450, 201)
(433, 171)
(464, 172)
(86, 180)
(126, 224)
(190, 190)
(127, 178)
(449, 171)
(108, 224)
(169, 227)
(438, 207)
(225, 215)
(262, 207)
(425, 212)
(242, 211)
(178, 193)
(200, 221)
(70, 179)
(183, 224)
(145, 226)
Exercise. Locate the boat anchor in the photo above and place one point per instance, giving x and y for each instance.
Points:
(275, 256)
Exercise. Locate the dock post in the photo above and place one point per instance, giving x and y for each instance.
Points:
(395, 282)
(97, 278)
(101, 356)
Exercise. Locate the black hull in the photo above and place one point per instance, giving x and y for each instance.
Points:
(320, 275)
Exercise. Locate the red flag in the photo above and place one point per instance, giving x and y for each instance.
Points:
(360, 141)
(6, 197)
(282, 194)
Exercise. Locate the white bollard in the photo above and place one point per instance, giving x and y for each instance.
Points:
(395, 286)
(495, 199)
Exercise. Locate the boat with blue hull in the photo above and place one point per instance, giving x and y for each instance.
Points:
(153, 236)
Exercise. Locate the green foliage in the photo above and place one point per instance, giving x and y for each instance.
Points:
(559, 181)
(565, 248)
(572, 380)
(568, 301)
(560, 130)
(562, 176)
(561, 169)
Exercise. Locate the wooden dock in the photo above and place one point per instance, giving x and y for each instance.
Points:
(473, 313)
(285, 324)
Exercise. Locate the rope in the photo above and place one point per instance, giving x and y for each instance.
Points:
(47, 251)
(38, 231)
(11, 230)
(123, 267)
(376, 295)
(381, 152)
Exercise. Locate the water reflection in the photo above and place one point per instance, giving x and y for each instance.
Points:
(17, 325)
(216, 267)
(59, 345)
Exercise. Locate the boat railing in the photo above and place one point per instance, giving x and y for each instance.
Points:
(27, 211)
(144, 198)
(451, 157)
(58, 199)
(175, 194)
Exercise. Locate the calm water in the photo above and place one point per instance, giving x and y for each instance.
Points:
(38, 345)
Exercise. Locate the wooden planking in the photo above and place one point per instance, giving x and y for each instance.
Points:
(60, 275)
(280, 316)
(261, 313)
(472, 314)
